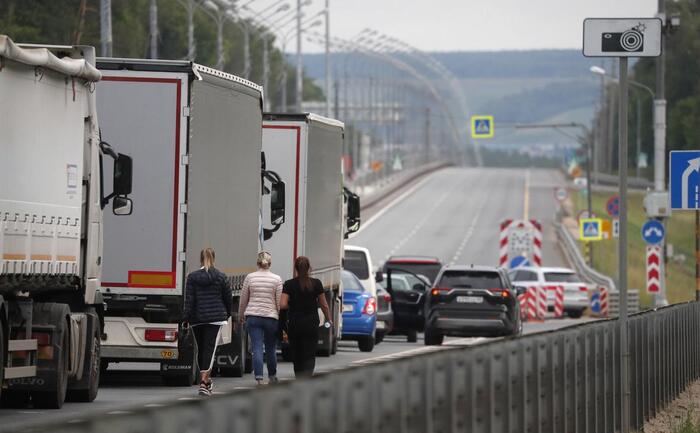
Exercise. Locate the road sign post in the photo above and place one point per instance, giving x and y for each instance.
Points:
(623, 38)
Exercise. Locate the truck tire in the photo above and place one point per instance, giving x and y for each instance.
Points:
(86, 390)
(54, 398)
(2, 355)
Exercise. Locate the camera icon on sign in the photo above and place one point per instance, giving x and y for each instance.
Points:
(630, 41)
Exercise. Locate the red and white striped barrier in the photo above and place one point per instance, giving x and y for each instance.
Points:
(534, 306)
(522, 299)
(541, 302)
(558, 301)
(653, 268)
(503, 243)
(603, 293)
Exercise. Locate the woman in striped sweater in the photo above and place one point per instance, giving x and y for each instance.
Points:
(259, 310)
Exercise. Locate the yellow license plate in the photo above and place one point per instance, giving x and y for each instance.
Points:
(167, 354)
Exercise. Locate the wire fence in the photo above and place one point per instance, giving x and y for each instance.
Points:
(559, 381)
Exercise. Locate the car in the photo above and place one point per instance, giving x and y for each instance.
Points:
(359, 312)
(358, 260)
(385, 314)
(407, 292)
(471, 301)
(419, 265)
(575, 290)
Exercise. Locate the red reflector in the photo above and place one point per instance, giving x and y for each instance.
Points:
(42, 338)
(370, 307)
(387, 298)
(161, 335)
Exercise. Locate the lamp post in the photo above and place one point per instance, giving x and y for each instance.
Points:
(106, 27)
(639, 86)
(219, 15)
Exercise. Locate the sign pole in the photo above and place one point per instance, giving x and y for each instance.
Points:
(589, 156)
(622, 248)
(697, 255)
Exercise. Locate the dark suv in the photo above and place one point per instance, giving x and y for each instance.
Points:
(471, 301)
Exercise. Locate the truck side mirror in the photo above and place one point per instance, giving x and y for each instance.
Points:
(379, 276)
(122, 175)
(122, 206)
(277, 203)
(353, 212)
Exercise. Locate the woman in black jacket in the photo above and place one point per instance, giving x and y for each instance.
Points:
(208, 303)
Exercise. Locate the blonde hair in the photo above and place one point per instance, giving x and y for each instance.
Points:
(207, 257)
(264, 260)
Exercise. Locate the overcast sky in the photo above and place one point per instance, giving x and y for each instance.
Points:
(470, 25)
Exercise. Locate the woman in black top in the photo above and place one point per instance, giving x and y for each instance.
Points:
(303, 296)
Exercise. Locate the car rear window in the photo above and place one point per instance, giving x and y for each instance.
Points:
(561, 277)
(470, 279)
(356, 262)
(524, 276)
(350, 282)
(430, 269)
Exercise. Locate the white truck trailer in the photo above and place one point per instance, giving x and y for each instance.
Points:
(195, 135)
(51, 209)
(306, 151)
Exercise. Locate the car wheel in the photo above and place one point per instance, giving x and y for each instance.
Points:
(412, 336)
(432, 337)
(575, 314)
(366, 344)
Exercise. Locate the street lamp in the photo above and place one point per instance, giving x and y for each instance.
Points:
(637, 85)
(219, 15)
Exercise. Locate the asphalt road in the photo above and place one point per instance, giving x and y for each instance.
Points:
(453, 214)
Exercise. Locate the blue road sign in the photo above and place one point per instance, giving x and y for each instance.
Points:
(519, 261)
(482, 126)
(653, 232)
(595, 303)
(684, 176)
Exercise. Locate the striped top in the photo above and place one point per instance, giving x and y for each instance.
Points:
(261, 295)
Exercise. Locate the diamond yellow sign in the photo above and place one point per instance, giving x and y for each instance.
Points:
(482, 126)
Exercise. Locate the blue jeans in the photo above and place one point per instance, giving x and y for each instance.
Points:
(263, 329)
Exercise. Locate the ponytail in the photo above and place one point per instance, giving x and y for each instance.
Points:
(207, 258)
(302, 268)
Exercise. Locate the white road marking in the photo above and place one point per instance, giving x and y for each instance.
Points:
(470, 232)
(526, 195)
(393, 203)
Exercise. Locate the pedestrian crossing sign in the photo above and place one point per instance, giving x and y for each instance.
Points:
(482, 126)
(591, 229)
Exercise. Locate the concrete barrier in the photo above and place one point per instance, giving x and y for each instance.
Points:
(559, 381)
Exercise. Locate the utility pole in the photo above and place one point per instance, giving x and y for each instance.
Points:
(190, 31)
(328, 60)
(153, 29)
(300, 68)
(106, 28)
(266, 71)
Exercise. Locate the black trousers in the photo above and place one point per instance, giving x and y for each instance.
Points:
(303, 341)
(207, 337)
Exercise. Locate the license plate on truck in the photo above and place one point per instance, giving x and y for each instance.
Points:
(470, 299)
(348, 308)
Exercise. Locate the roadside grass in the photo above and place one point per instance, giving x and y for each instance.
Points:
(688, 426)
(680, 228)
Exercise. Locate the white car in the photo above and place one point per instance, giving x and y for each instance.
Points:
(575, 290)
(358, 261)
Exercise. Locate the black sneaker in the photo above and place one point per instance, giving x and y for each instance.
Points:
(273, 380)
(204, 390)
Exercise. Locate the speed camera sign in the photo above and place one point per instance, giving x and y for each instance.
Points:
(622, 37)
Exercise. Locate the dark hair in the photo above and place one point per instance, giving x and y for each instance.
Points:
(302, 267)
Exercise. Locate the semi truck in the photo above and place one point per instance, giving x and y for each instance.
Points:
(195, 135)
(53, 192)
(305, 150)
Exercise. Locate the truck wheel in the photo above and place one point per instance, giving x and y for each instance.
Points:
(89, 384)
(188, 378)
(2, 356)
(412, 336)
(14, 399)
(334, 345)
(54, 399)
(366, 344)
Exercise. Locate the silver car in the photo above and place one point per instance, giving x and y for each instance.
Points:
(575, 289)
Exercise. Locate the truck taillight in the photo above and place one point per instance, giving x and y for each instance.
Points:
(167, 335)
(370, 307)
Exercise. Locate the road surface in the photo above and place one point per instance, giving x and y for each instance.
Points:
(453, 214)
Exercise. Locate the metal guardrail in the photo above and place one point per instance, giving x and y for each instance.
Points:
(614, 180)
(573, 253)
(558, 381)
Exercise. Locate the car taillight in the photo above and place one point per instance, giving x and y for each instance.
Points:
(437, 291)
(387, 298)
(370, 307)
(503, 293)
(167, 335)
(583, 288)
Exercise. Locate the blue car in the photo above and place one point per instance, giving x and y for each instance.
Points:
(359, 312)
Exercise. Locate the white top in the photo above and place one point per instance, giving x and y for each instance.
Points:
(262, 291)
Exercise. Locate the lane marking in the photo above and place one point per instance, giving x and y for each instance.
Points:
(393, 203)
(470, 231)
(526, 200)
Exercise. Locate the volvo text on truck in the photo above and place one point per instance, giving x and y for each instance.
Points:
(52, 196)
(195, 135)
